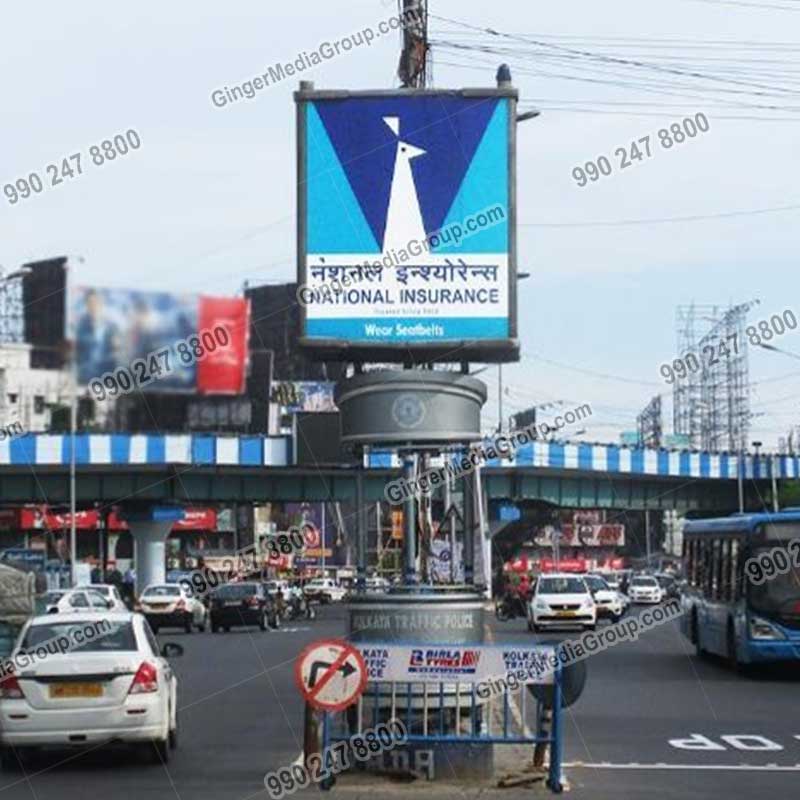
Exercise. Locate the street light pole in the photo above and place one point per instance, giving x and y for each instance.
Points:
(73, 425)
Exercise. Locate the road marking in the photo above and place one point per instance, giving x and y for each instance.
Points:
(663, 766)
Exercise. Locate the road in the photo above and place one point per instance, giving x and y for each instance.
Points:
(241, 716)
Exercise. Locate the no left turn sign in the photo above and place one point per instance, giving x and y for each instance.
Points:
(331, 674)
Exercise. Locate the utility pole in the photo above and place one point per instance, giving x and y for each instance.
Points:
(413, 67)
(499, 398)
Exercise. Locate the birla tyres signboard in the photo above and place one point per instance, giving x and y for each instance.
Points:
(406, 223)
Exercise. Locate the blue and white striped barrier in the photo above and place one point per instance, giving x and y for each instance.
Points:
(152, 449)
(634, 461)
(120, 449)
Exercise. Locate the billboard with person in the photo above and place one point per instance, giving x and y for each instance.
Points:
(128, 339)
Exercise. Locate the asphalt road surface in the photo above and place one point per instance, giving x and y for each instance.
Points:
(241, 716)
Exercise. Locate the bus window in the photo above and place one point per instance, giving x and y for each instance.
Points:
(734, 565)
(716, 569)
(725, 569)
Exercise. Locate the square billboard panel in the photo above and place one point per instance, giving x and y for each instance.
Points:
(406, 228)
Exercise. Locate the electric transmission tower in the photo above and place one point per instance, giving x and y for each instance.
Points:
(711, 402)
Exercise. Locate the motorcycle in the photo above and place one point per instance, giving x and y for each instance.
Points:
(510, 606)
(298, 607)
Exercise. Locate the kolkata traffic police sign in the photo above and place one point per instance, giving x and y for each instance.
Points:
(331, 674)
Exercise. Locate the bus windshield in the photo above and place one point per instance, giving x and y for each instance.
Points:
(777, 596)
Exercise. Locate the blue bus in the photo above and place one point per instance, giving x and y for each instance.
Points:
(726, 611)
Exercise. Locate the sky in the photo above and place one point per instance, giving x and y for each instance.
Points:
(208, 200)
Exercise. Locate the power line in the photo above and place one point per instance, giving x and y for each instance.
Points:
(659, 220)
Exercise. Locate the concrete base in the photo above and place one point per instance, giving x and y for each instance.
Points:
(430, 761)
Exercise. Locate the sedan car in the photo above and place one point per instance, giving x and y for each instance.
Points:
(561, 601)
(116, 685)
(71, 600)
(325, 590)
(645, 589)
(239, 604)
(171, 605)
(109, 592)
(608, 601)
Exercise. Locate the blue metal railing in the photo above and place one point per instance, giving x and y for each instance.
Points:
(435, 713)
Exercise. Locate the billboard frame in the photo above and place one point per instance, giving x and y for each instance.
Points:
(490, 351)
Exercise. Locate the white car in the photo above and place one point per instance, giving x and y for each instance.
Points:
(561, 601)
(326, 590)
(645, 589)
(377, 584)
(275, 586)
(71, 600)
(171, 605)
(116, 685)
(110, 592)
(608, 601)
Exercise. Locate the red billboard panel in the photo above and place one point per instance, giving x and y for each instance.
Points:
(224, 370)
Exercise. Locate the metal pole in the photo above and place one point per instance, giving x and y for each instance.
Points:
(409, 525)
(322, 537)
(361, 535)
(775, 504)
(451, 524)
(469, 529)
(73, 424)
(739, 478)
(499, 398)
(379, 539)
(647, 534)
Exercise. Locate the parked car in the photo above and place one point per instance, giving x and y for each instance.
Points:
(669, 585)
(561, 601)
(645, 589)
(71, 600)
(608, 601)
(171, 605)
(377, 584)
(115, 686)
(238, 604)
(325, 590)
(613, 581)
(275, 586)
(109, 592)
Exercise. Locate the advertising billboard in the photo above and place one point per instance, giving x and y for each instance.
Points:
(113, 328)
(406, 224)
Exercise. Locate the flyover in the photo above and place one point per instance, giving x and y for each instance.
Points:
(183, 468)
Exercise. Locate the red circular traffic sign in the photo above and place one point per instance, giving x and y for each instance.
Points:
(330, 674)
